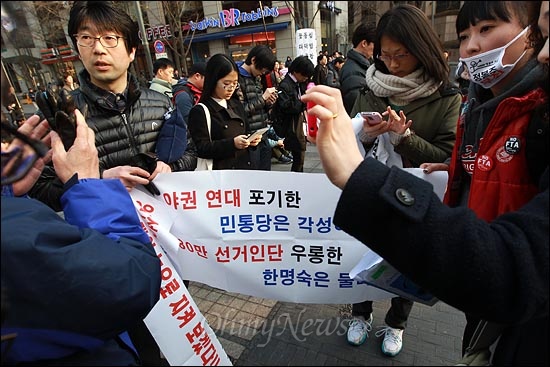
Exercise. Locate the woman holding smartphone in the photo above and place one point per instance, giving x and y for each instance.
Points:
(226, 140)
(409, 78)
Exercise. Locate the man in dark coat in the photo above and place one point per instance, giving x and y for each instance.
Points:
(359, 58)
(289, 111)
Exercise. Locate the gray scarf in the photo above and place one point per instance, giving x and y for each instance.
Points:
(400, 91)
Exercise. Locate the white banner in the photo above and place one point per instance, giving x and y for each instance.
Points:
(259, 233)
(306, 44)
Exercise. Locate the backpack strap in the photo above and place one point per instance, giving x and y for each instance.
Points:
(182, 88)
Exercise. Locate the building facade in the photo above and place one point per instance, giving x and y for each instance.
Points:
(36, 49)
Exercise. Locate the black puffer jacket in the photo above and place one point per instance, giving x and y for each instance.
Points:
(120, 132)
(250, 94)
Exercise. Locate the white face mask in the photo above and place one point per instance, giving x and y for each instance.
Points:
(486, 69)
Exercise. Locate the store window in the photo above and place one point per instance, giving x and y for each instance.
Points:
(239, 46)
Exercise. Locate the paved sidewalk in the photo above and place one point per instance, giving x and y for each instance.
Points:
(262, 332)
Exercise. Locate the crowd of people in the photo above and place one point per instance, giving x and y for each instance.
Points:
(483, 250)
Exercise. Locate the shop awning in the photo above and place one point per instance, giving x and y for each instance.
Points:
(237, 31)
(63, 53)
(57, 59)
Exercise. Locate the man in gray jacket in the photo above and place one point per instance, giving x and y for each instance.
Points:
(163, 81)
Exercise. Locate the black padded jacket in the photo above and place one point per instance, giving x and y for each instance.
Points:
(122, 130)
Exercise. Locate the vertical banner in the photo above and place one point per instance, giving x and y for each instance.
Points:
(306, 44)
(179, 328)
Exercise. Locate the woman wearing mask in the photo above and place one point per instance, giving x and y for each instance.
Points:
(487, 254)
(409, 76)
(503, 107)
(227, 142)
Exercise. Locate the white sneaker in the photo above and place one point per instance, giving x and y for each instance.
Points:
(359, 329)
(393, 340)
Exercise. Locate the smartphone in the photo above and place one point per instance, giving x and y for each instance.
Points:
(373, 118)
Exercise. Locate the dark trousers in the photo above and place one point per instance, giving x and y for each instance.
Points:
(298, 146)
(265, 155)
(261, 156)
(396, 317)
(298, 157)
(146, 346)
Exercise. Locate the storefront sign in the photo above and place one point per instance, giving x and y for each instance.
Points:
(234, 17)
(227, 18)
(306, 44)
(158, 31)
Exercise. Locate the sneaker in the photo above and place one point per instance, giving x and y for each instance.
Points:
(285, 160)
(359, 329)
(393, 340)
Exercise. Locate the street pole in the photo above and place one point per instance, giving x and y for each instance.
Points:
(7, 77)
(144, 40)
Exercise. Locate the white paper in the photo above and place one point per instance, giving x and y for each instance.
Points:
(256, 133)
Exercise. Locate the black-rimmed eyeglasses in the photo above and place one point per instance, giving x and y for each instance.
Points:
(230, 86)
(19, 154)
(107, 41)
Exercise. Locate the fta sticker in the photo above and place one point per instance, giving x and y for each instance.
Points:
(512, 145)
(484, 163)
(503, 156)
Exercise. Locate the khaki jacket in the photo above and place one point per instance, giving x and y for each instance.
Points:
(434, 124)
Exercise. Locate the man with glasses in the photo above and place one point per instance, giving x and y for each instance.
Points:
(70, 286)
(125, 118)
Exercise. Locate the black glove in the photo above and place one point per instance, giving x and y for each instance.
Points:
(148, 162)
(59, 111)
(47, 103)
